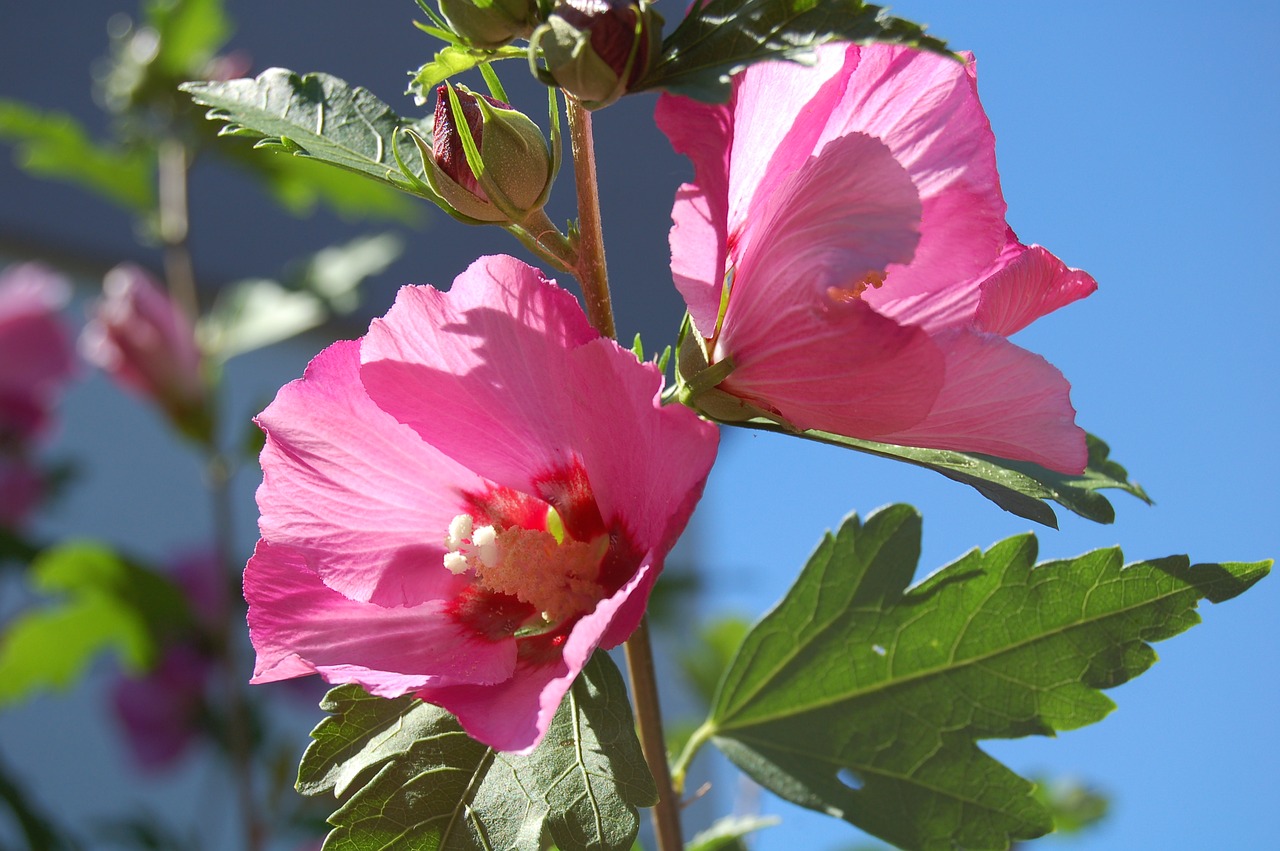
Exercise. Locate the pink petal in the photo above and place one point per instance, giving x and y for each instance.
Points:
(35, 349)
(298, 625)
(1030, 285)
(514, 715)
(356, 493)
(1000, 400)
(481, 373)
(850, 211)
(698, 250)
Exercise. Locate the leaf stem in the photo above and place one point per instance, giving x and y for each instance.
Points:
(590, 269)
(543, 238)
(680, 768)
(173, 160)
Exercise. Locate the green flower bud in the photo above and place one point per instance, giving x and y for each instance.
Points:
(597, 49)
(490, 23)
(517, 170)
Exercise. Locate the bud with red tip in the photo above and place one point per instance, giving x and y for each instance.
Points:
(517, 167)
(597, 49)
(490, 24)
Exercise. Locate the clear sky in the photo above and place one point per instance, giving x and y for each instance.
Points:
(1135, 140)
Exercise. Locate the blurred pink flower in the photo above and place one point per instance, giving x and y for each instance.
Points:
(162, 711)
(36, 358)
(467, 502)
(854, 213)
(22, 487)
(146, 343)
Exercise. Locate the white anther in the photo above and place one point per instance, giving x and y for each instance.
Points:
(455, 563)
(459, 531)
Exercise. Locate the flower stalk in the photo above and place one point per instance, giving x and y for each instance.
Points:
(593, 277)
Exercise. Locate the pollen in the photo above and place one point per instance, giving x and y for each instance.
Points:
(872, 280)
(554, 573)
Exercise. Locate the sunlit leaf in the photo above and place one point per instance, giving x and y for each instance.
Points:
(718, 39)
(190, 33)
(865, 700)
(409, 777)
(729, 833)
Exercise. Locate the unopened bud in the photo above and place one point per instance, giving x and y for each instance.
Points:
(517, 164)
(490, 23)
(597, 49)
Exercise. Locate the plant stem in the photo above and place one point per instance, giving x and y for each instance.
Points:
(644, 691)
(593, 277)
(681, 767)
(219, 472)
(543, 238)
(590, 270)
(173, 161)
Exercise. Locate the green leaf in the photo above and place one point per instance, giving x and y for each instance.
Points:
(255, 313)
(453, 60)
(105, 604)
(865, 700)
(54, 145)
(1018, 487)
(300, 184)
(190, 33)
(721, 38)
(409, 777)
(728, 833)
(317, 116)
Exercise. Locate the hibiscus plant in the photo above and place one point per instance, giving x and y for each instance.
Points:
(463, 510)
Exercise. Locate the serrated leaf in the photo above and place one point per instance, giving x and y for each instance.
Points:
(865, 700)
(317, 116)
(721, 38)
(54, 145)
(103, 604)
(1019, 487)
(409, 777)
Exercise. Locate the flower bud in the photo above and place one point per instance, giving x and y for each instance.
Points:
(517, 165)
(597, 49)
(140, 337)
(491, 24)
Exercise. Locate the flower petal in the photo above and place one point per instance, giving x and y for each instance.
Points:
(300, 625)
(359, 495)
(1030, 284)
(1000, 400)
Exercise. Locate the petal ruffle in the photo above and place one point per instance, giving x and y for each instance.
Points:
(1032, 283)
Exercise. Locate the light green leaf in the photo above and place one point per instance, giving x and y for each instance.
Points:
(1019, 487)
(104, 604)
(409, 777)
(728, 833)
(721, 38)
(299, 184)
(190, 33)
(452, 60)
(335, 273)
(865, 700)
(254, 313)
(317, 116)
(54, 145)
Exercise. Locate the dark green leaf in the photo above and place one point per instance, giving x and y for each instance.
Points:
(721, 38)
(864, 700)
(317, 116)
(1019, 487)
(409, 777)
(53, 145)
(105, 603)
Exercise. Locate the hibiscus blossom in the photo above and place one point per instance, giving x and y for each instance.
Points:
(847, 265)
(466, 502)
(35, 351)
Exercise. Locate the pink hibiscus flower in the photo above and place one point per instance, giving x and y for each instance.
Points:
(854, 213)
(35, 351)
(467, 502)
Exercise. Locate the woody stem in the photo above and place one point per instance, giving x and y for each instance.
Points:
(593, 277)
